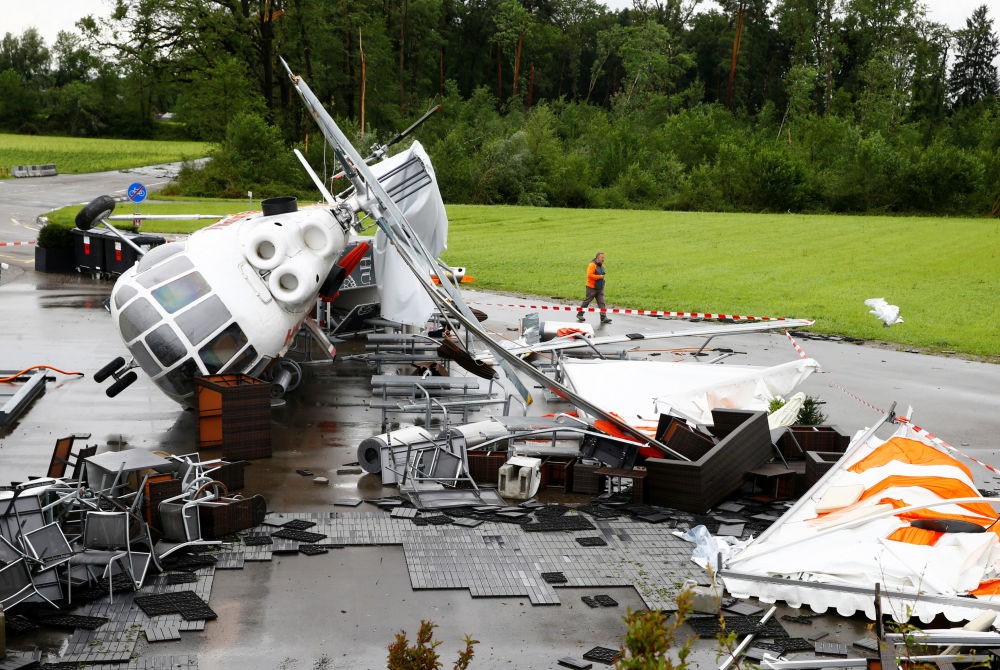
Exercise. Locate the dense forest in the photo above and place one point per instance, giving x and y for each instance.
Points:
(749, 105)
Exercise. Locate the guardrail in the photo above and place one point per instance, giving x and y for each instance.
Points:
(45, 170)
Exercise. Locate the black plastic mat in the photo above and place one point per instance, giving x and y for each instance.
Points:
(298, 524)
(188, 562)
(794, 618)
(298, 535)
(600, 512)
(72, 621)
(181, 578)
(592, 541)
(468, 523)
(257, 539)
(185, 603)
(783, 645)
(18, 623)
(432, 520)
(554, 577)
(560, 523)
(708, 627)
(549, 511)
(312, 550)
(602, 655)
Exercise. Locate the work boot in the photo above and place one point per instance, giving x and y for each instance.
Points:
(605, 319)
(580, 317)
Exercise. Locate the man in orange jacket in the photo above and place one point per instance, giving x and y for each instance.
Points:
(595, 287)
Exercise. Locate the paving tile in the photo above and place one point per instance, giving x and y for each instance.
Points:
(474, 553)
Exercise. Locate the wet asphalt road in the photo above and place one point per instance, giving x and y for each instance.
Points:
(299, 613)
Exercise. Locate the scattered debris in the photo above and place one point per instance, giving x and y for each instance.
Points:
(602, 655)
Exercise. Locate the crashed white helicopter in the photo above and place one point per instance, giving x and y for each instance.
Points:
(232, 296)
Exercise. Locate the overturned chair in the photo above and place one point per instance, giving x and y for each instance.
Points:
(106, 551)
(17, 585)
(203, 517)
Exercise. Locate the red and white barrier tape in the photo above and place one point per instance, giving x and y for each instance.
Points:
(944, 445)
(795, 344)
(18, 244)
(638, 312)
(858, 398)
(921, 431)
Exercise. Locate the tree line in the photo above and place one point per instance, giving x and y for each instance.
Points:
(751, 105)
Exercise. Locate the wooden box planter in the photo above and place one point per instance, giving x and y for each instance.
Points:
(53, 260)
(586, 480)
(226, 516)
(484, 466)
(797, 441)
(557, 472)
(817, 464)
(234, 413)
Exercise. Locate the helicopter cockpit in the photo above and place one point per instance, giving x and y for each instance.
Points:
(175, 326)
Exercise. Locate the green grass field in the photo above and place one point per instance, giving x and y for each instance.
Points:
(76, 155)
(67, 215)
(943, 273)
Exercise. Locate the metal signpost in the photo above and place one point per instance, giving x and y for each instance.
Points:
(136, 193)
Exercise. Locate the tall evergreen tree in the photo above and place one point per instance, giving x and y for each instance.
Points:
(974, 76)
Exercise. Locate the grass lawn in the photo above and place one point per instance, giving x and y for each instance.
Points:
(221, 207)
(943, 273)
(76, 155)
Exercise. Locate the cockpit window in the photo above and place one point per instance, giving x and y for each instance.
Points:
(161, 273)
(222, 348)
(180, 381)
(181, 292)
(258, 369)
(239, 363)
(165, 345)
(142, 357)
(137, 318)
(157, 254)
(124, 294)
(203, 319)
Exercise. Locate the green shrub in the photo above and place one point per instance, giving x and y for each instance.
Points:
(810, 413)
(694, 135)
(423, 655)
(55, 236)
(571, 186)
(503, 167)
(650, 637)
(251, 158)
(941, 177)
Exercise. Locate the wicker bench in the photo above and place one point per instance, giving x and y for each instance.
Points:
(744, 443)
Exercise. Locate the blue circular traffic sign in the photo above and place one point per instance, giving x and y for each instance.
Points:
(136, 192)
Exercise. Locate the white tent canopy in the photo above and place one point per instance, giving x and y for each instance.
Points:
(639, 391)
(852, 531)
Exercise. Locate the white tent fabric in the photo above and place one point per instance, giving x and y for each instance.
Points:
(639, 391)
(403, 298)
(851, 547)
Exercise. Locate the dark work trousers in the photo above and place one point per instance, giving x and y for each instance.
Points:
(593, 293)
